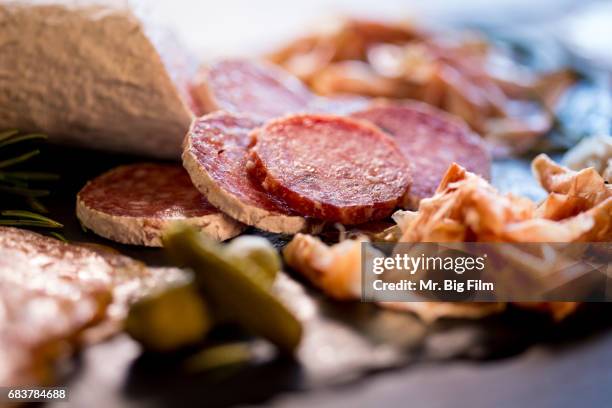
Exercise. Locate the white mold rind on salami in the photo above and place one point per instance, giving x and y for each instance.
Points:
(87, 73)
(133, 205)
(215, 156)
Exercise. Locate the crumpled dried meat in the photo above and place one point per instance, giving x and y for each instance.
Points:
(467, 208)
(581, 201)
(339, 40)
(558, 310)
(593, 151)
(335, 269)
(461, 74)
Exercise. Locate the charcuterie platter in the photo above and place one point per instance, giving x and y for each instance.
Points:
(208, 222)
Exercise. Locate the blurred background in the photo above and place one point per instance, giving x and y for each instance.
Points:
(231, 27)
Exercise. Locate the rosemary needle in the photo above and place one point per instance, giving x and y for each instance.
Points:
(25, 192)
(28, 215)
(22, 138)
(16, 183)
(29, 175)
(8, 133)
(36, 205)
(19, 159)
(29, 223)
(58, 236)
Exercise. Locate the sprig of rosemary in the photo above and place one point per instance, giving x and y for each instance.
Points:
(16, 185)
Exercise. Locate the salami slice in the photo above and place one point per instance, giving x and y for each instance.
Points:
(330, 167)
(133, 204)
(250, 87)
(262, 90)
(215, 156)
(431, 140)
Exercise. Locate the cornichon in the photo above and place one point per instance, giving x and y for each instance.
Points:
(168, 320)
(230, 290)
(258, 250)
(218, 357)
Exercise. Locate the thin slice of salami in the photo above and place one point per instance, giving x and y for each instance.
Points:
(256, 88)
(431, 140)
(133, 204)
(215, 156)
(262, 90)
(330, 167)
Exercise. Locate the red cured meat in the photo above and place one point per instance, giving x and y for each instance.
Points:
(215, 155)
(133, 204)
(431, 140)
(261, 90)
(146, 190)
(256, 88)
(330, 167)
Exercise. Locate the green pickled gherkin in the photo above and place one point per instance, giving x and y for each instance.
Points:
(257, 250)
(220, 356)
(169, 320)
(241, 296)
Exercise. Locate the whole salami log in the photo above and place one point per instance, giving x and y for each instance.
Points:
(215, 156)
(431, 140)
(91, 73)
(133, 204)
(330, 167)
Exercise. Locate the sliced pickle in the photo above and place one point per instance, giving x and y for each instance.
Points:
(170, 319)
(258, 250)
(212, 358)
(243, 297)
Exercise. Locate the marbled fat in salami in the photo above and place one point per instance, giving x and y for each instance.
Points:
(215, 156)
(132, 204)
(431, 140)
(330, 167)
